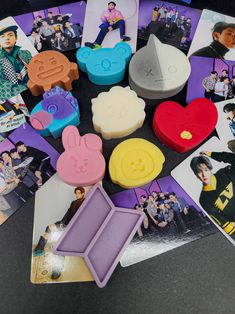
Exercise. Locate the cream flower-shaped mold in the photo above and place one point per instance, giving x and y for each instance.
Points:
(117, 113)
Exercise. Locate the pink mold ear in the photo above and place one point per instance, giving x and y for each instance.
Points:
(71, 137)
(93, 142)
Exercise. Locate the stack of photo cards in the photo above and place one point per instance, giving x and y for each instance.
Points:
(58, 28)
(106, 29)
(55, 204)
(27, 161)
(214, 36)
(13, 80)
(173, 24)
(171, 219)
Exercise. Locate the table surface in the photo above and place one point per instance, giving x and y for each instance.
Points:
(196, 278)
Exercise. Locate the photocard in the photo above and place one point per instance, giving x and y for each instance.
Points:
(208, 176)
(109, 22)
(171, 219)
(225, 126)
(58, 28)
(214, 37)
(55, 205)
(12, 113)
(172, 23)
(16, 52)
(27, 161)
(211, 78)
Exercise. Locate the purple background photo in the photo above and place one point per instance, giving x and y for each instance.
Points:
(26, 134)
(201, 67)
(146, 9)
(77, 10)
(129, 198)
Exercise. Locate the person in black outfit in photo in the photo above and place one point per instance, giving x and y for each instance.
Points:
(41, 164)
(59, 226)
(223, 35)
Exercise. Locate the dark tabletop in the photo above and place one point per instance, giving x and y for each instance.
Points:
(196, 278)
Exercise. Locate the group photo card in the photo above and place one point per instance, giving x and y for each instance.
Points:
(55, 205)
(214, 36)
(58, 28)
(107, 23)
(16, 52)
(208, 176)
(211, 78)
(225, 126)
(172, 219)
(172, 23)
(27, 161)
(12, 113)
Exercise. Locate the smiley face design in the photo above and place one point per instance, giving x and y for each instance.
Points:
(135, 162)
(48, 69)
(117, 113)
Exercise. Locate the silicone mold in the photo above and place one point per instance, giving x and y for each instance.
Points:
(182, 129)
(117, 113)
(104, 66)
(135, 162)
(100, 233)
(57, 110)
(48, 69)
(82, 162)
(158, 70)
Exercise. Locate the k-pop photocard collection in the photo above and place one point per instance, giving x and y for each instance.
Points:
(107, 23)
(58, 28)
(173, 24)
(27, 161)
(171, 219)
(214, 37)
(12, 113)
(55, 205)
(211, 78)
(16, 52)
(209, 179)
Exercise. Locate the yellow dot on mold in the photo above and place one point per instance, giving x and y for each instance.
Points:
(186, 135)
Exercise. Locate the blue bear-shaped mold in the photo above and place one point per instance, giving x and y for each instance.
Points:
(57, 110)
(104, 66)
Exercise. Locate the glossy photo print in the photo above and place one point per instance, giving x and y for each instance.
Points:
(12, 113)
(171, 219)
(27, 161)
(226, 123)
(214, 37)
(172, 23)
(107, 23)
(208, 176)
(16, 52)
(49, 225)
(58, 28)
(211, 78)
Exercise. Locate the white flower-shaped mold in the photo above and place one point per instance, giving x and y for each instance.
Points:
(117, 113)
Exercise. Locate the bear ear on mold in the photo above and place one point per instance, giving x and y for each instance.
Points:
(123, 50)
(71, 137)
(83, 55)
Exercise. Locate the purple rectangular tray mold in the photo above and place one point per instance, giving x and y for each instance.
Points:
(99, 232)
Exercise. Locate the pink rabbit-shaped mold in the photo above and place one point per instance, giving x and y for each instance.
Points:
(82, 162)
